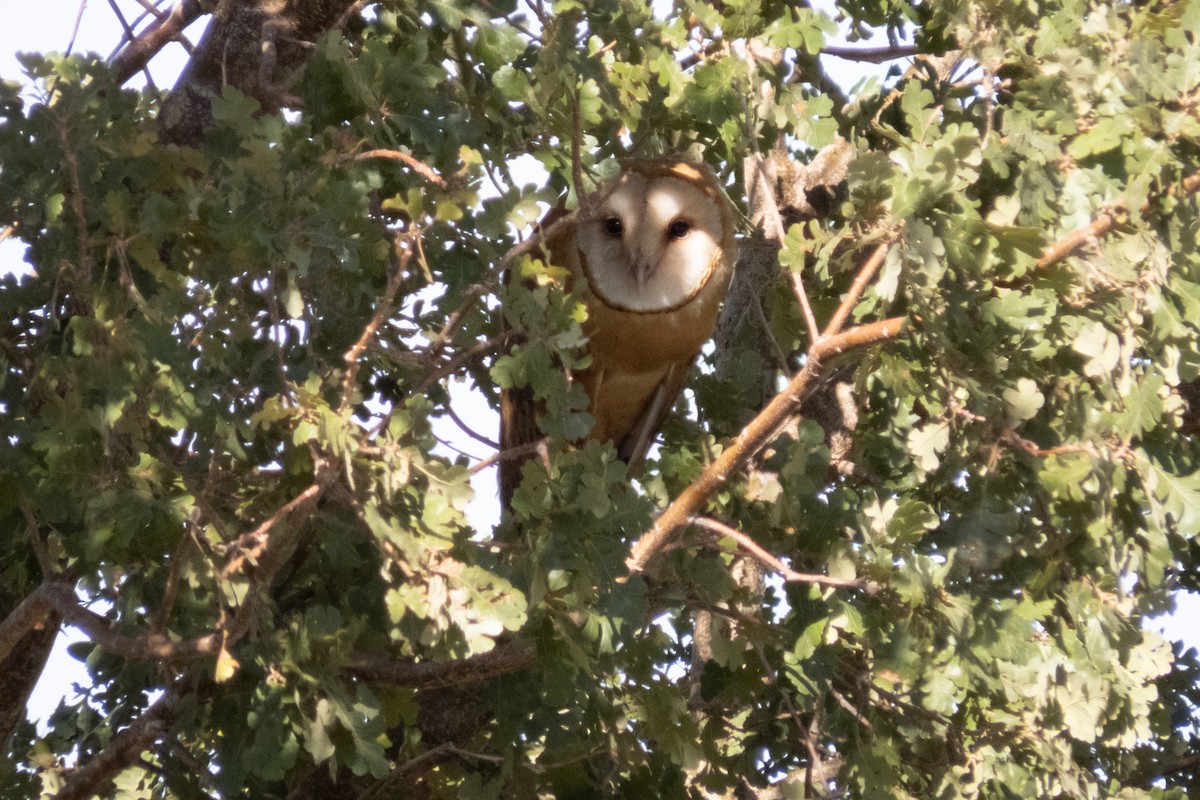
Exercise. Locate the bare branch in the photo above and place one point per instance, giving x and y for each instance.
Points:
(137, 53)
(865, 274)
(383, 308)
(873, 55)
(416, 165)
(1106, 219)
(520, 451)
(755, 551)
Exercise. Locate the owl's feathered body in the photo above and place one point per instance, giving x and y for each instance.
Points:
(654, 254)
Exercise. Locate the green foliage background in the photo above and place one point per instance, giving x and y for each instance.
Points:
(1024, 490)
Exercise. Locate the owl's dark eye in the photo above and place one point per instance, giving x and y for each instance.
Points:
(679, 229)
(613, 226)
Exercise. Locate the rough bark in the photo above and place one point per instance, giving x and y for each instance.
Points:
(255, 46)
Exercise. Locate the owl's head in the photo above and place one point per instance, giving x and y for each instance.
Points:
(655, 236)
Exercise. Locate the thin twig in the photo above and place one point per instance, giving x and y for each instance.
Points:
(465, 357)
(415, 164)
(468, 430)
(491, 280)
(1106, 219)
(75, 28)
(383, 308)
(520, 451)
(756, 551)
(253, 546)
(873, 55)
(865, 274)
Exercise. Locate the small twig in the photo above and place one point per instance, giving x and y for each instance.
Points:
(1106, 219)
(253, 546)
(873, 55)
(814, 757)
(865, 274)
(75, 28)
(491, 280)
(468, 430)
(465, 357)
(520, 451)
(416, 165)
(810, 320)
(150, 9)
(854, 712)
(756, 551)
(772, 217)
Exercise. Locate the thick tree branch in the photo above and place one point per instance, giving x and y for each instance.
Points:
(92, 777)
(134, 56)
(506, 658)
(32, 613)
(61, 597)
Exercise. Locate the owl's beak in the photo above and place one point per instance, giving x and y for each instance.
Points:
(642, 269)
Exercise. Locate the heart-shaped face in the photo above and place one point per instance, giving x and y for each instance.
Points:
(652, 240)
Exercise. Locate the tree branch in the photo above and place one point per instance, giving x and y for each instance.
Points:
(383, 308)
(873, 55)
(33, 612)
(772, 562)
(122, 750)
(134, 57)
(1103, 224)
(755, 435)
(506, 658)
(416, 165)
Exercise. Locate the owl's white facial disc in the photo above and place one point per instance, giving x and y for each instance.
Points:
(651, 243)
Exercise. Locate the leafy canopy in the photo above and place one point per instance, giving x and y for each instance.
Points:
(218, 396)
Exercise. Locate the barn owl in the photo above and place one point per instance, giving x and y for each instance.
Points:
(651, 254)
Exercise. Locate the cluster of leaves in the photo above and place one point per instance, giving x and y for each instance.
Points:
(217, 396)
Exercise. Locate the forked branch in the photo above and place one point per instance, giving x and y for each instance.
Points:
(753, 437)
